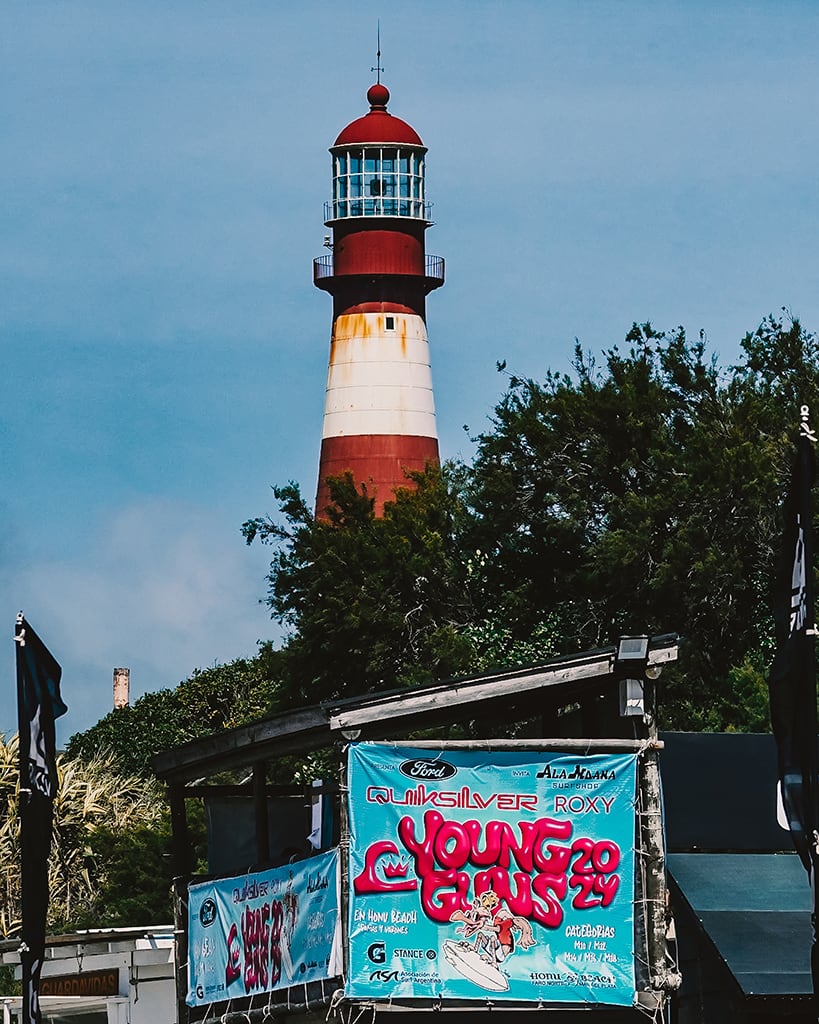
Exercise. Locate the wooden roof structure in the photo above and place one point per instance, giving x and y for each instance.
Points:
(498, 696)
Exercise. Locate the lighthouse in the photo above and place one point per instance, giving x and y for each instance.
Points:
(379, 413)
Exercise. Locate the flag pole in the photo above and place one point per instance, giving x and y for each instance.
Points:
(38, 704)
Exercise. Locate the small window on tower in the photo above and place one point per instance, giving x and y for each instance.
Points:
(390, 323)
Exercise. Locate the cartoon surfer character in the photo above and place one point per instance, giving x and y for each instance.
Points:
(492, 925)
(290, 909)
(506, 923)
(477, 924)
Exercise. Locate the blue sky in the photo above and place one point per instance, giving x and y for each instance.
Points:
(164, 172)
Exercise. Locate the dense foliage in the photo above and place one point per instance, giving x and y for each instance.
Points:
(371, 602)
(212, 699)
(640, 494)
(100, 813)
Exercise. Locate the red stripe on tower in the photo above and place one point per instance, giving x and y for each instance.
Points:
(379, 413)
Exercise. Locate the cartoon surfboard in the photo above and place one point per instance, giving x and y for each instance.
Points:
(287, 961)
(468, 962)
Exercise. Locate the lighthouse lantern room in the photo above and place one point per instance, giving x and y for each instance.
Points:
(379, 414)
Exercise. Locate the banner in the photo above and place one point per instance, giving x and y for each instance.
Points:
(491, 875)
(38, 704)
(264, 931)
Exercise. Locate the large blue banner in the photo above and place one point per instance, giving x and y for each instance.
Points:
(497, 874)
(264, 931)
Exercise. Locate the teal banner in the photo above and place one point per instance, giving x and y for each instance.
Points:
(497, 875)
(264, 931)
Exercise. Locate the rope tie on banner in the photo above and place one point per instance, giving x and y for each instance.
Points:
(361, 1011)
(335, 999)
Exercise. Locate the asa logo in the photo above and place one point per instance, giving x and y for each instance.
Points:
(207, 912)
(384, 976)
(427, 768)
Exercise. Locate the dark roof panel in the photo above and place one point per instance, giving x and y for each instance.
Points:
(720, 792)
(755, 909)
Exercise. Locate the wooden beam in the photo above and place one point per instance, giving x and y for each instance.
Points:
(291, 732)
(572, 745)
(423, 702)
(179, 831)
(311, 728)
(442, 698)
(260, 814)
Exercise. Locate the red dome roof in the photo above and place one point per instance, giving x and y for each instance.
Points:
(378, 125)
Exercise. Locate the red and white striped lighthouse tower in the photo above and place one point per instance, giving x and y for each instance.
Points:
(379, 414)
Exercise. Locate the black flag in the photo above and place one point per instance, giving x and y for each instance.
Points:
(792, 679)
(38, 704)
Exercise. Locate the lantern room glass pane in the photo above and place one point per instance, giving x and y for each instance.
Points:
(371, 181)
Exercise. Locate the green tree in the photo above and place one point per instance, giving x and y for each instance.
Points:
(95, 803)
(643, 495)
(212, 699)
(371, 603)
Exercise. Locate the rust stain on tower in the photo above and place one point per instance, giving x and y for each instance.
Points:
(379, 413)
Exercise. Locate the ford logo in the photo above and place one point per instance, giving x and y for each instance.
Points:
(427, 768)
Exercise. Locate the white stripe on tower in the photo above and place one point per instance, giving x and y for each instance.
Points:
(379, 379)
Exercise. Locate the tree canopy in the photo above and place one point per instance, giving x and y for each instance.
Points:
(640, 493)
(102, 819)
(370, 602)
(210, 700)
(637, 492)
